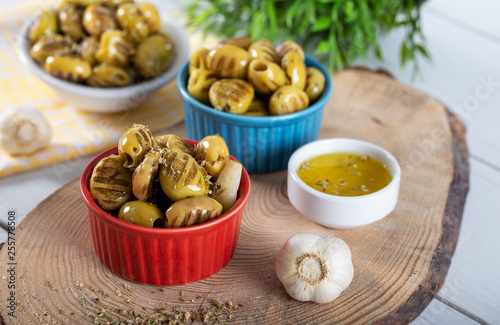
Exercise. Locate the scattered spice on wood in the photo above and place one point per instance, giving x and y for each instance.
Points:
(79, 285)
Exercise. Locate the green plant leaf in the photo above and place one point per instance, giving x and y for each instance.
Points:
(323, 23)
(323, 47)
(404, 54)
(338, 30)
(423, 51)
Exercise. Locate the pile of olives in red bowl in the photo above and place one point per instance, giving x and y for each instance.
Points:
(164, 210)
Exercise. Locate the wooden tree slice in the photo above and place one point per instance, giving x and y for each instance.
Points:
(400, 262)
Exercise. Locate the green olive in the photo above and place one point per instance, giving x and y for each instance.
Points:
(87, 49)
(258, 108)
(151, 16)
(212, 153)
(153, 55)
(68, 67)
(315, 84)
(288, 99)
(145, 175)
(141, 213)
(70, 21)
(228, 61)
(181, 176)
(134, 144)
(49, 45)
(133, 21)
(174, 142)
(114, 48)
(199, 83)
(265, 76)
(97, 19)
(192, 211)
(111, 183)
(198, 60)
(81, 3)
(288, 46)
(243, 42)
(295, 69)
(114, 3)
(45, 24)
(108, 76)
(231, 95)
(263, 50)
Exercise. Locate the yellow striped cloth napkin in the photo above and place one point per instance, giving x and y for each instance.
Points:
(75, 133)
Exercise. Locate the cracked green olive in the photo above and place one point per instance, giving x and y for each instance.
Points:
(198, 60)
(81, 3)
(243, 42)
(199, 83)
(181, 176)
(265, 76)
(134, 144)
(87, 48)
(228, 61)
(145, 175)
(315, 84)
(49, 45)
(212, 153)
(174, 142)
(295, 69)
(141, 213)
(258, 107)
(45, 24)
(231, 95)
(288, 99)
(70, 21)
(151, 16)
(113, 3)
(68, 67)
(288, 46)
(133, 21)
(111, 183)
(114, 48)
(263, 50)
(97, 19)
(192, 211)
(108, 76)
(153, 55)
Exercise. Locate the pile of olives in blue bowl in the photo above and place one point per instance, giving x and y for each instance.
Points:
(254, 78)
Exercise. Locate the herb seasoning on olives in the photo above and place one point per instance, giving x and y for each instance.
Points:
(165, 182)
(344, 174)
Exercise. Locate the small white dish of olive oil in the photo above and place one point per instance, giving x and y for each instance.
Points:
(343, 183)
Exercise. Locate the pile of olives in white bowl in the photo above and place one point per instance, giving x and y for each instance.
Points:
(164, 182)
(106, 43)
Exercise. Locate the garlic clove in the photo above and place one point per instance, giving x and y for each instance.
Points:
(226, 188)
(23, 130)
(313, 268)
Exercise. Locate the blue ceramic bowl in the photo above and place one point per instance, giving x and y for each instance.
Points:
(261, 143)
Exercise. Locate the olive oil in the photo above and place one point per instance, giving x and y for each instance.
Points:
(344, 174)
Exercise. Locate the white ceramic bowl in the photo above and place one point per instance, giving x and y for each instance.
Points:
(108, 100)
(342, 212)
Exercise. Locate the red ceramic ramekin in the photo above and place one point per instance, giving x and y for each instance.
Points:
(163, 256)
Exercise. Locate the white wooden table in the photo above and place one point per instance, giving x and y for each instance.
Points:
(464, 40)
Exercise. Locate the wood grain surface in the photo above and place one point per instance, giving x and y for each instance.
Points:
(400, 262)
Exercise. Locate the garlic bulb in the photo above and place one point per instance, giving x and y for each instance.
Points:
(314, 268)
(23, 130)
